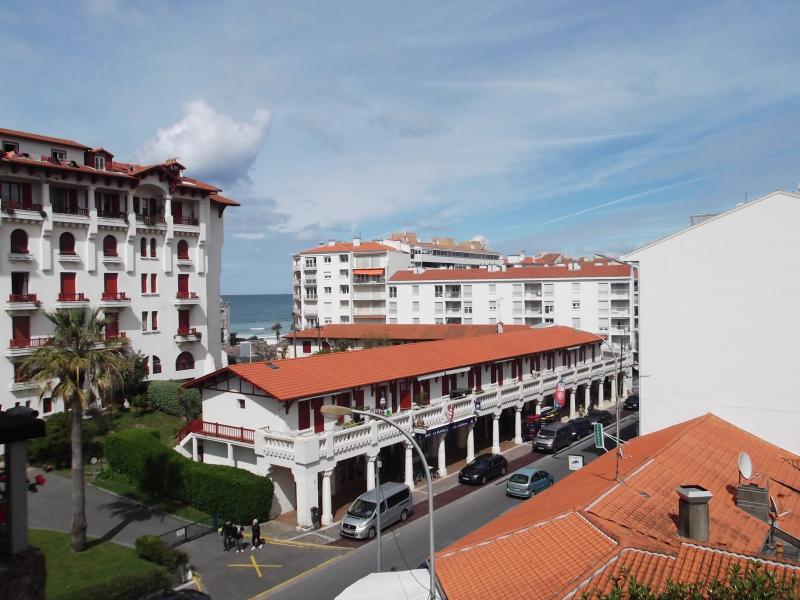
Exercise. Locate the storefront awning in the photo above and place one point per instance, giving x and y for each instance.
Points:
(367, 271)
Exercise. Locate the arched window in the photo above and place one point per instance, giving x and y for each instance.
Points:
(143, 245)
(183, 250)
(19, 241)
(109, 246)
(66, 243)
(153, 247)
(157, 365)
(184, 362)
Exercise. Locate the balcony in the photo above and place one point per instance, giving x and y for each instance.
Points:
(24, 346)
(9, 206)
(115, 335)
(110, 257)
(186, 298)
(192, 221)
(369, 295)
(22, 302)
(22, 386)
(310, 267)
(20, 256)
(357, 280)
(68, 256)
(184, 261)
(188, 334)
(68, 300)
(70, 210)
(115, 215)
(218, 430)
(114, 299)
(151, 221)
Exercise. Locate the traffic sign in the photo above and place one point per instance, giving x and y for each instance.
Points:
(598, 435)
(575, 462)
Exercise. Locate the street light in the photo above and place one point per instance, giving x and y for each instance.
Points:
(338, 411)
(616, 386)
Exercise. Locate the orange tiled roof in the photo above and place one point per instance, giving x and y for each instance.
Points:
(640, 513)
(13, 158)
(541, 272)
(220, 199)
(321, 374)
(349, 247)
(191, 182)
(43, 138)
(400, 332)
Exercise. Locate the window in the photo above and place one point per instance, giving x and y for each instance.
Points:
(576, 288)
(517, 290)
(492, 320)
(415, 320)
(415, 306)
(66, 243)
(344, 319)
(110, 286)
(311, 263)
(143, 247)
(492, 304)
(492, 288)
(392, 291)
(241, 402)
(100, 163)
(328, 320)
(183, 250)
(152, 247)
(415, 290)
(602, 324)
(576, 305)
(144, 320)
(466, 290)
(467, 308)
(144, 283)
(68, 287)
(326, 275)
(468, 321)
(602, 290)
(344, 289)
(10, 146)
(153, 282)
(109, 246)
(548, 290)
(343, 258)
(576, 322)
(156, 365)
(19, 241)
(517, 307)
(327, 290)
(58, 155)
(326, 260)
(548, 320)
(306, 346)
(602, 308)
(392, 308)
(438, 291)
(439, 321)
(47, 405)
(438, 308)
(10, 192)
(19, 283)
(549, 308)
(184, 362)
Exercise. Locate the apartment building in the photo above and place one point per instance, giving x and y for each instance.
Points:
(738, 273)
(443, 252)
(456, 395)
(141, 242)
(592, 295)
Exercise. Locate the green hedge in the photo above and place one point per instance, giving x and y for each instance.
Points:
(155, 550)
(128, 587)
(169, 397)
(55, 448)
(227, 492)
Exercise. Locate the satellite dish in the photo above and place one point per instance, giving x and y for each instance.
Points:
(745, 465)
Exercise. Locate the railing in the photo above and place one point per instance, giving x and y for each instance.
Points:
(189, 332)
(357, 280)
(190, 532)
(115, 335)
(185, 221)
(110, 214)
(21, 205)
(366, 310)
(30, 342)
(23, 298)
(187, 296)
(76, 297)
(110, 253)
(70, 210)
(114, 296)
(218, 430)
(151, 220)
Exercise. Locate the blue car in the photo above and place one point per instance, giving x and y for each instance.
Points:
(527, 481)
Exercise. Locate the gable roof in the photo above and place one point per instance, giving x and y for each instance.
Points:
(587, 270)
(321, 374)
(640, 513)
(349, 247)
(399, 332)
(43, 138)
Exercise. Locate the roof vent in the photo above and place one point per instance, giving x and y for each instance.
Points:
(693, 512)
(331, 242)
(754, 500)
(272, 365)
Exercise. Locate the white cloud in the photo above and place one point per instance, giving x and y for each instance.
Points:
(480, 238)
(249, 236)
(212, 146)
(405, 122)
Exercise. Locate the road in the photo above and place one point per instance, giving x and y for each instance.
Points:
(407, 547)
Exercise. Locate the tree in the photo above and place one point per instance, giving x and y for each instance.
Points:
(77, 366)
(277, 329)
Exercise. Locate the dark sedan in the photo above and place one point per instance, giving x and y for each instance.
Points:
(483, 468)
(631, 402)
(601, 416)
(581, 427)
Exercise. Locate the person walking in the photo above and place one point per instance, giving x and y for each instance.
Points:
(256, 535)
(239, 538)
(226, 535)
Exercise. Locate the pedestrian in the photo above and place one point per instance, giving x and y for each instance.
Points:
(226, 535)
(257, 541)
(239, 538)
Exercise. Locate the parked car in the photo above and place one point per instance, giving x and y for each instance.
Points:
(531, 426)
(553, 437)
(525, 482)
(581, 427)
(631, 402)
(602, 416)
(483, 468)
(361, 519)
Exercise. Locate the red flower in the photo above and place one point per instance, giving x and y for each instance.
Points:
(40, 480)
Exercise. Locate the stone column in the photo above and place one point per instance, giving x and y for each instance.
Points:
(327, 516)
(470, 443)
(230, 455)
(442, 466)
(194, 448)
(601, 390)
(572, 412)
(496, 433)
(614, 389)
(371, 472)
(518, 425)
(306, 490)
(409, 465)
(587, 397)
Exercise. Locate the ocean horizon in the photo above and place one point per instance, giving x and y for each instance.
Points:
(255, 314)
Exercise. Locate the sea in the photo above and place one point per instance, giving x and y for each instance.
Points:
(255, 314)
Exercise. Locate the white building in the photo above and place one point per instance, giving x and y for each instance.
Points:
(718, 323)
(443, 252)
(457, 395)
(595, 296)
(143, 243)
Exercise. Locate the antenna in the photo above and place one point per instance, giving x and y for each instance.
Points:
(745, 466)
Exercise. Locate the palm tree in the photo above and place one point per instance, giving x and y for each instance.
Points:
(77, 366)
(277, 329)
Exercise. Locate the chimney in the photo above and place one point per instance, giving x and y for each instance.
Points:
(499, 327)
(754, 500)
(357, 241)
(521, 255)
(331, 242)
(503, 268)
(693, 512)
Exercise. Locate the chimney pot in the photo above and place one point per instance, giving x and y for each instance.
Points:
(693, 512)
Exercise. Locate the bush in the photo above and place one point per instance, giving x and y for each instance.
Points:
(215, 489)
(55, 449)
(165, 396)
(154, 549)
(128, 587)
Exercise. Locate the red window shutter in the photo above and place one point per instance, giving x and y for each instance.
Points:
(319, 419)
(306, 346)
(343, 400)
(27, 194)
(513, 369)
(183, 319)
(143, 247)
(110, 283)
(478, 377)
(155, 320)
(183, 283)
(153, 287)
(494, 373)
(500, 369)
(21, 328)
(445, 385)
(405, 396)
(471, 379)
(303, 415)
(144, 283)
(112, 325)
(67, 283)
(359, 398)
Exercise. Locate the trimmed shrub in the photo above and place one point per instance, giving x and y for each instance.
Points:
(129, 587)
(55, 447)
(229, 492)
(165, 396)
(154, 549)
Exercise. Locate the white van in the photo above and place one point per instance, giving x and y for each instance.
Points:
(361, 519)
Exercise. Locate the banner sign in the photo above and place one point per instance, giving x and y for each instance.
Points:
(561, 394)
(420, 433)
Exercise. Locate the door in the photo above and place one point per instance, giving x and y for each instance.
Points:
(478, 377)
(343, 400)
(110, 284)
(405, 395)
(112, 325)
(319, 419)
(303, 415)
(176, 210)
(500, 369)
(445, 385)
(519, 369)
(21, 328)
(183, 283)
(68, 284)
(183, 320)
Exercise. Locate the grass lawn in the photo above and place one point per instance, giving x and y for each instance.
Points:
(68, 573)
(124, 488)
(166, 425)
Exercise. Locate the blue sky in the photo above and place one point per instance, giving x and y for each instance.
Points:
(580, 127)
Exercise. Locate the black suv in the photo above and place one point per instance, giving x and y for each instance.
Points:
(631, 402)
(581, 427)
(600, 416)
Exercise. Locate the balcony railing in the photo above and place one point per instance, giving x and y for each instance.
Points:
(71, 210)
(185, 221)
(189, 332)
(114, 296)
(110, 253)
(76, 297)
(30, 342)
(110, 214)
(115, 335)
(187, 296)
(218, 430)
(21, 205)
(151, 220)
(23, 298)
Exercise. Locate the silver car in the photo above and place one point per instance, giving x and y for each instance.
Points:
(361, 518)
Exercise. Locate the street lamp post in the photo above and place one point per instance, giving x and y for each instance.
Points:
(344, 410)
(618, 360)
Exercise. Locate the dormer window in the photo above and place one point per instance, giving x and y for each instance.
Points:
(59, 155)
(10, 146)
(100, 163)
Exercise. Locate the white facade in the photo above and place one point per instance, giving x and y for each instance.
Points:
(442, 253)
(604, 305)
(142, 244)
(718, 321)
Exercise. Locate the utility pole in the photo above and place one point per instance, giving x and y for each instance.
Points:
(378, 509)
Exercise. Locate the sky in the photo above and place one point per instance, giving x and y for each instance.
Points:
(582, 127)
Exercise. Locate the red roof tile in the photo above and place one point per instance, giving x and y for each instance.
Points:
(43, 138)
(555, 272)
(321, 374)
(191, 182)
(400, 332)
(61, 166)
(349, 247)
(220, 199)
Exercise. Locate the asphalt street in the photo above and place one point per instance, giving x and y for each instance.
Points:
(406, 547)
